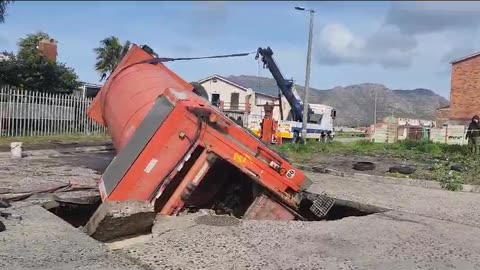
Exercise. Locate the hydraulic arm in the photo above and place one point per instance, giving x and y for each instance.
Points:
(285, 86)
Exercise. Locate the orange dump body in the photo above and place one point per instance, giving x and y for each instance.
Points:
(129, 94)
(167, 138)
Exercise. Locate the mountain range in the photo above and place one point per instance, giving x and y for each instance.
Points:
(355, 103)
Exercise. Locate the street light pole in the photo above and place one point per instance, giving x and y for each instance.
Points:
(307, 75)
(375, 113)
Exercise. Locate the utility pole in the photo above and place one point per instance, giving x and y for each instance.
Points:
(375, 113)
(307, 75)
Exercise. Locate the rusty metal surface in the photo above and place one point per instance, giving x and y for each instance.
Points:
(264, 208)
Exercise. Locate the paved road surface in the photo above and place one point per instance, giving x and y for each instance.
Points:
(457, 207)
(427, 229)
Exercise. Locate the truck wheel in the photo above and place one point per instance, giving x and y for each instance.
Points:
(199, 90)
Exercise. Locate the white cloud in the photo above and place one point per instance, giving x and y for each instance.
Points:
(429, 17)
(387, 47)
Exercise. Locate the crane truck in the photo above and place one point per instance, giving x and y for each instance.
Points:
(176, 153)
(320, 116)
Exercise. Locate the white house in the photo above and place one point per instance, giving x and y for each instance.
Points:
(4, 56)
(240, 98)
(88, 90)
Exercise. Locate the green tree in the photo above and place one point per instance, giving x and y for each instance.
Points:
(3, 10)
(29, 70)
(27, 47)
(109, 55)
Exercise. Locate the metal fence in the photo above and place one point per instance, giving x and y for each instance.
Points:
(31, 113)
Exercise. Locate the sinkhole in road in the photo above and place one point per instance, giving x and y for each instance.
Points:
(345, 208)
(78, 211)
(75, 211)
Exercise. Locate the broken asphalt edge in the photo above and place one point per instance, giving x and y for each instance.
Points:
(389, 180)
(48, 152)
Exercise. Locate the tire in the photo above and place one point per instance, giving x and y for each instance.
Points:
(364, 166)
(199, 90)
(457, 168)
(4, 203)
(402, 169)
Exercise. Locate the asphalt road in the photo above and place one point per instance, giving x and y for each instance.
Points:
(425, 229)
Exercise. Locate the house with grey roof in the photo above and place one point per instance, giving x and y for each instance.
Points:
(245, 97)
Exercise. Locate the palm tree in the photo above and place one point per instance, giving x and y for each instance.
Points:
(109, 55)
(3, 10)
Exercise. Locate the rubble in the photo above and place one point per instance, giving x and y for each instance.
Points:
(113, 220)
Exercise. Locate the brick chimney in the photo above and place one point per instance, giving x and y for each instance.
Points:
(48, 48)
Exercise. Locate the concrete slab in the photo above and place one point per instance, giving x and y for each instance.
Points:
(459, 207)
(113, 220)
(422, 233)
(44, 172)
(390, 240)
(43, 241)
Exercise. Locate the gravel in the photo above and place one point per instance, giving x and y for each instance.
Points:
(425, 229)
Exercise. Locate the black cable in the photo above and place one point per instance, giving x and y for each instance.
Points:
(168, 59)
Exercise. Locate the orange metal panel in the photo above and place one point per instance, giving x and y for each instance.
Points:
(194, 177)
(165, 149)
(123, 105)
(129, 93)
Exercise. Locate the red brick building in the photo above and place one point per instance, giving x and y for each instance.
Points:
(48, 48)
(442, 115)
(465, 92)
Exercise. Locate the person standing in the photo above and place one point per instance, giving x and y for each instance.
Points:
(473, 135)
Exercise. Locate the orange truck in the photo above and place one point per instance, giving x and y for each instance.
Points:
(179, 153)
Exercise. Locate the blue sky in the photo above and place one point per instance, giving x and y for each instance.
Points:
(402, 45)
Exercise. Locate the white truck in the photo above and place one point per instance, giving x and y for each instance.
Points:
(321, 117)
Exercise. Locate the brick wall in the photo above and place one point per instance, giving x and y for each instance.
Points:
(465, 92)
(442, 116)
(49, 49)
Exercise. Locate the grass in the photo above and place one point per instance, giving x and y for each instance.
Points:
(440, 156)
(406, 149)
(342, 134)
(60, 139)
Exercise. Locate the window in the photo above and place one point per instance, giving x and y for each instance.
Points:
(215, 99)
(234, 100)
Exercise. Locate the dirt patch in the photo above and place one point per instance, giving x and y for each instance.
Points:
(221, 221)
(55, 146)
(346, 164)
(97, 162)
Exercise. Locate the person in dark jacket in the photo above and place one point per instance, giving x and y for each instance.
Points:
(240, 121)
(473, 135)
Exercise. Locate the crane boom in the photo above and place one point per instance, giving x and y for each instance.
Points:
(283, 84)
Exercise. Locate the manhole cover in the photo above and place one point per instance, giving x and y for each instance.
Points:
(217, 220)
